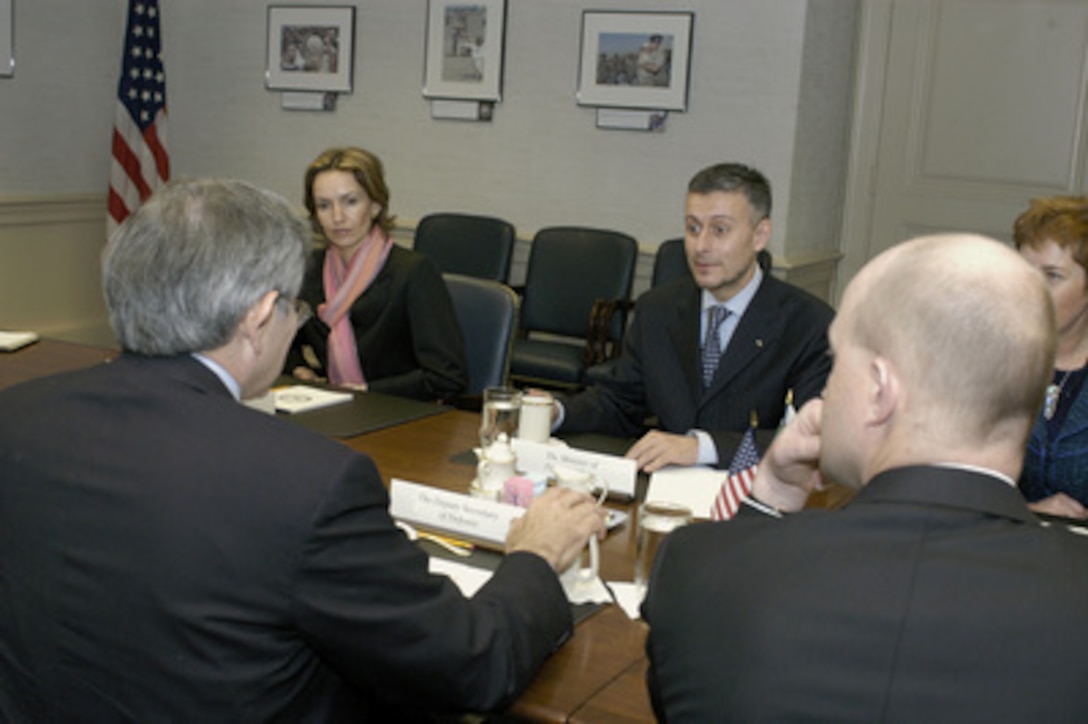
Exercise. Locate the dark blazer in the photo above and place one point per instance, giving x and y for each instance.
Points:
(1058, 463)
(935, 595)
(779, 344)
(168, 554)
(406, 330)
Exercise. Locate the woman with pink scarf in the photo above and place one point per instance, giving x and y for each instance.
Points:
(384, 318)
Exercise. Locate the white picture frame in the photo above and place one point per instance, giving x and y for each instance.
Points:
(464, 49)
(310, 48)
(635, 60)
(7, 38)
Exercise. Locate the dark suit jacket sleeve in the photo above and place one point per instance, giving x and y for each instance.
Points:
(314, 333)
(440, 370)
(409, 339)
(650, 608)
(360, 580)
(672, 578)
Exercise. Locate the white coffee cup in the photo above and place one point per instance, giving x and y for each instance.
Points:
(573, 478)
(578, 576)
(535, 421)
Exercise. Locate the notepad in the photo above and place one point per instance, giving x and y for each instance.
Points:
(302, 398)
(11, 341)
(695, 487)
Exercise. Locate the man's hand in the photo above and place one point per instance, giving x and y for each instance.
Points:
(557, 526)
(1060, 504)
(657, 449)
(791, 468)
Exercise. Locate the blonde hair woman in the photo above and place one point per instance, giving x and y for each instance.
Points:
(384, 320)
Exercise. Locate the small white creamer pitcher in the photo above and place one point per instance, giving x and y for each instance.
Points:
(496, 464)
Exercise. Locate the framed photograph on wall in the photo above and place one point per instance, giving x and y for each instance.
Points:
(7, 38)
(464, 55)
(635, 60)
(310, 48)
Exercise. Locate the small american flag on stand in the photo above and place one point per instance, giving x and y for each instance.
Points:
(738, 483)
(140, 163)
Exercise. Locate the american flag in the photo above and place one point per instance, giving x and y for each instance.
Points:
(738, 482)
(140, 163)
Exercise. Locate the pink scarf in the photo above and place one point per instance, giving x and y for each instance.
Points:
(344, 283)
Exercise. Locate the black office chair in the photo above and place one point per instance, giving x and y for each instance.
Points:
(572, 313)
(487, 312)
(466, 244)
(671, 261)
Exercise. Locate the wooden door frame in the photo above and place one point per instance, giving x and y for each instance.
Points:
(874, 33)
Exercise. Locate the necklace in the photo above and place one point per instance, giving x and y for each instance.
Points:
(1053, 393)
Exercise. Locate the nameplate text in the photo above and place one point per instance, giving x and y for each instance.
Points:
(616, 473)
(477, 519)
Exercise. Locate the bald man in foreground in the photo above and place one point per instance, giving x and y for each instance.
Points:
(935, 595)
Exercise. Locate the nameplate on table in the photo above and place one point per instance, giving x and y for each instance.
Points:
(694, 487)
(476, 519)
(618, 473)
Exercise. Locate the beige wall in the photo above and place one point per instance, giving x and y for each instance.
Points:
(770, 85)
(49, 255)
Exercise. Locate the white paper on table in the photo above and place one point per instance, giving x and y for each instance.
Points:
(471, 579)
(587, 591)
(696, 487)
(628, 596)
(11, 341)
(468, 578)
(303, 398)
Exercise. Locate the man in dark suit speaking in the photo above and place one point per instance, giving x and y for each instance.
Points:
(167, 553)
(935, 595)
(705, 352)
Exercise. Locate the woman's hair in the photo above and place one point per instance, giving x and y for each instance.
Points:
(181, 272)
(367, 170)
(1062, 219)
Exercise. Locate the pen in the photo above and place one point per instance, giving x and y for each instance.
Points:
(453, 545)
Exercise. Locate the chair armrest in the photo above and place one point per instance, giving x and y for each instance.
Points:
(599, 344)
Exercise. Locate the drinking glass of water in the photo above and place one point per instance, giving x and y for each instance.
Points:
(656, 519)
(500, 413)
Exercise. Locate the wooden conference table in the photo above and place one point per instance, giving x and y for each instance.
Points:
(598, 675)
